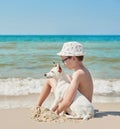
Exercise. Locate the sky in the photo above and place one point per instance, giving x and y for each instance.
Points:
(82, 17)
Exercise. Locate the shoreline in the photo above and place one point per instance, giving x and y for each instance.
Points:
(107, 116)
(28, 101)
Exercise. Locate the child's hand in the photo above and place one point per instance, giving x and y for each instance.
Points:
(56, 106)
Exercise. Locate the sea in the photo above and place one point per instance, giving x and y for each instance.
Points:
(24, 59)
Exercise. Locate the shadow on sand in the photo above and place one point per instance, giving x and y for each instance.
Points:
(99, 114)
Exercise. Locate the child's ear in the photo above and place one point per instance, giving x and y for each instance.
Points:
(59, 68)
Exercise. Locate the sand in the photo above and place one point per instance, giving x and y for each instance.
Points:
(107, 117)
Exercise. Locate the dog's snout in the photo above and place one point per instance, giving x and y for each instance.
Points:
(45, 74)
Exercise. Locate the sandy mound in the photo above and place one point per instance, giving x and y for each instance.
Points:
(42, 114)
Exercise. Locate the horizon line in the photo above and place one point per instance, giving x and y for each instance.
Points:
(59, 34)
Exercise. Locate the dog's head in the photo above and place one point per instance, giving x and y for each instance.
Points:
(54, 72)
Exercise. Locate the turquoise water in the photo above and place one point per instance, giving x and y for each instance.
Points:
(24, 60)
(24, 56)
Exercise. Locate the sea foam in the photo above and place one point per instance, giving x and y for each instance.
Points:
(17, 92)
(18, 86)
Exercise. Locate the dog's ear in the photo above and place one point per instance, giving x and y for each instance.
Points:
(54, 64)
(59, 68)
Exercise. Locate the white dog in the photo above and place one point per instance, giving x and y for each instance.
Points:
(81, 106)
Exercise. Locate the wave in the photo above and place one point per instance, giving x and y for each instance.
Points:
(107, 86)
(27, 86)
(18, 86)
(19, 92)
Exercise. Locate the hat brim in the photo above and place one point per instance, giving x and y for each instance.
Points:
(65, 54)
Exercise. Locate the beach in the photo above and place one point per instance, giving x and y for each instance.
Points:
(107, 116)
(22, 78)
(32, 33)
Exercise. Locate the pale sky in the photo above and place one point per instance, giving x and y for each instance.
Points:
(60, 17)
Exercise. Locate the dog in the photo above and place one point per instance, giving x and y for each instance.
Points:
(81, 107)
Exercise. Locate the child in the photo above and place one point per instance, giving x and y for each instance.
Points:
(72, 56)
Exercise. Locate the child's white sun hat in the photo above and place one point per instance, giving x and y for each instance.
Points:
(71, 49)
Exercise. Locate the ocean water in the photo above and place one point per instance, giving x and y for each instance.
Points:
(25, 58)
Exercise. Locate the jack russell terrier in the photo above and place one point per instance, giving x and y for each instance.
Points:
(81, 107)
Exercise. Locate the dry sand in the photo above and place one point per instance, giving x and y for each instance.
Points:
(107, 117)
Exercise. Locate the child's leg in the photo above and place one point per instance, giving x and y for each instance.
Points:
(49, 84)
